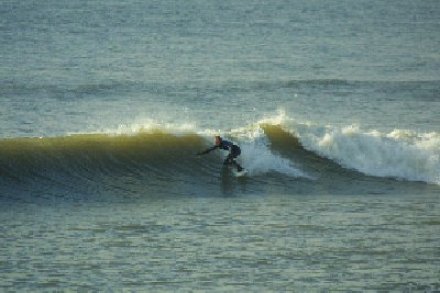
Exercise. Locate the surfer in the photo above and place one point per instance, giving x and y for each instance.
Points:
(234, 151)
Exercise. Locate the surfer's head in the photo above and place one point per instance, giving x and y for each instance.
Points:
(218, 140)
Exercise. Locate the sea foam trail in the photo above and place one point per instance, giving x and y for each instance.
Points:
(399, 154)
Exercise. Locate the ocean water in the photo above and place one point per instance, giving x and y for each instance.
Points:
(335, 105)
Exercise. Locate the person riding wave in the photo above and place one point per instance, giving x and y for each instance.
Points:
(234, 151)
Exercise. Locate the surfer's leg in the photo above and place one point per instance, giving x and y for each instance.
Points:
(233, 162)
(235, 152)
(229, 160)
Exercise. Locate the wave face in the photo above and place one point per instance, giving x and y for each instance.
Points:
(280, 154)
(96, 162)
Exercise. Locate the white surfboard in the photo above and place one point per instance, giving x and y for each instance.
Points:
(239, 173)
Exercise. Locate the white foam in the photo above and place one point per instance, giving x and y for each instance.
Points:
(400, 154)
(256, 155)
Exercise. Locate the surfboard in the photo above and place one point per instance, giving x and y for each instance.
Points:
(239, 173)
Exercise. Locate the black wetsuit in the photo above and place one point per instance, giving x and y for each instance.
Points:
(234, 152)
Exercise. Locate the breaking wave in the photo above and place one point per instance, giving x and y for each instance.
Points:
(273, 149)
(400, 154)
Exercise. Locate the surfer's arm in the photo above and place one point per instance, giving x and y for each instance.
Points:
(207, 150)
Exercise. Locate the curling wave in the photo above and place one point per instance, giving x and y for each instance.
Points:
(278, 151)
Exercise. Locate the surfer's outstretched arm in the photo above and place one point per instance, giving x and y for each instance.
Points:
(207, 150)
